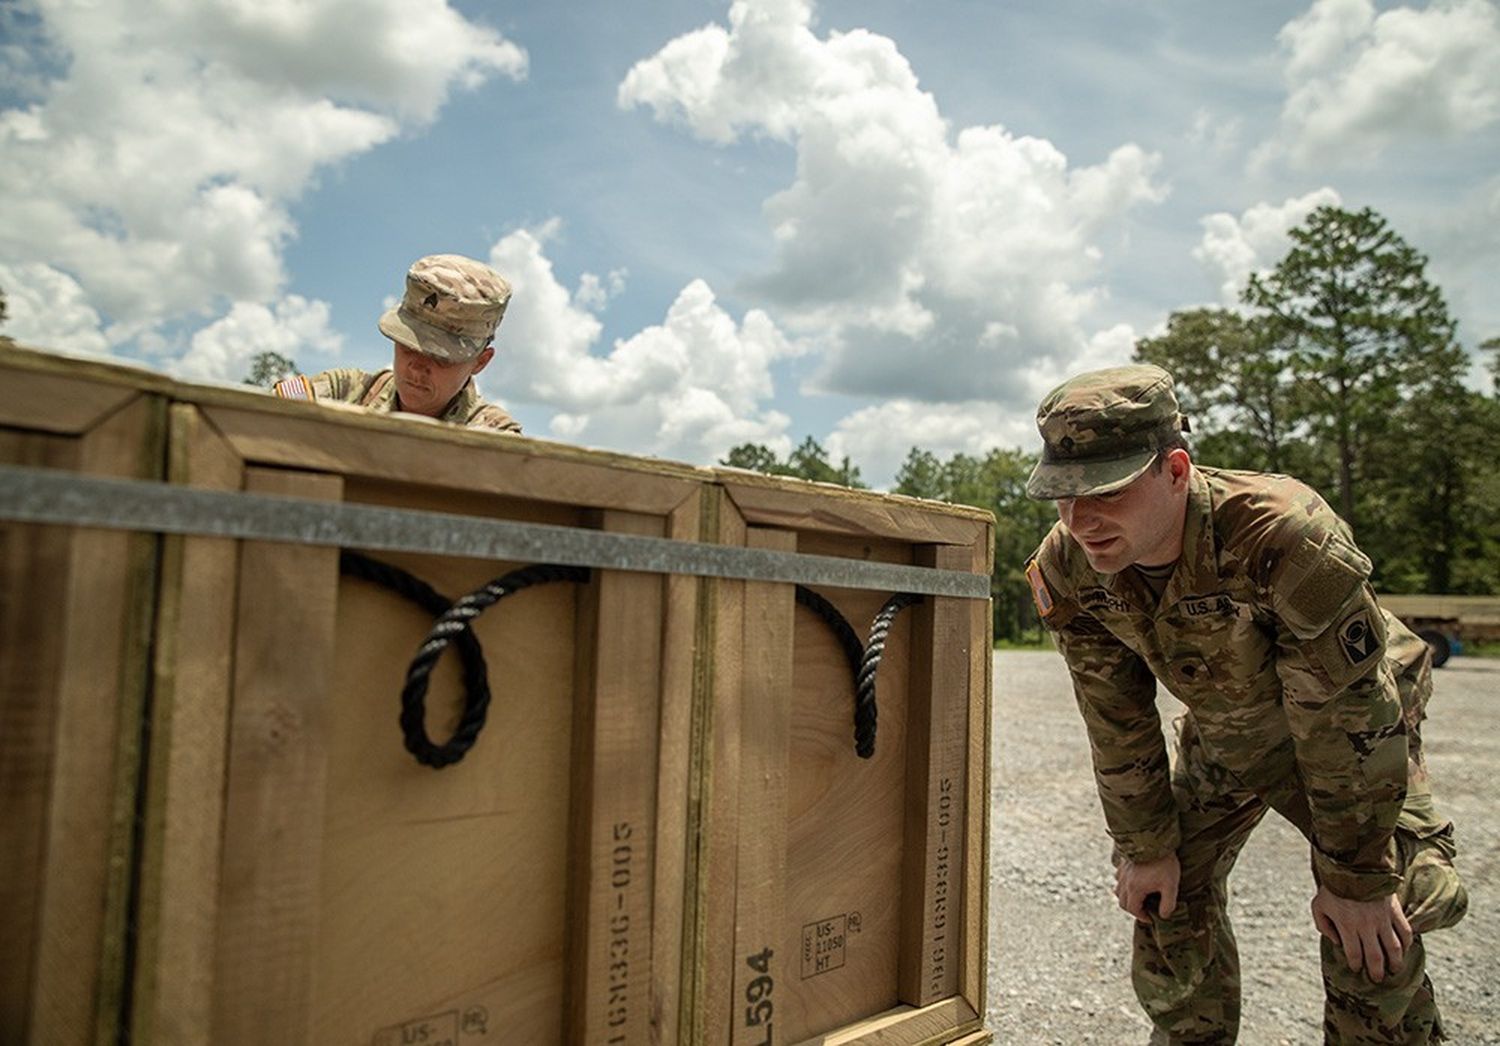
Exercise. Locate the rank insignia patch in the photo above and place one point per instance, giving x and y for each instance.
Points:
(1039, 591)
(1357, 637)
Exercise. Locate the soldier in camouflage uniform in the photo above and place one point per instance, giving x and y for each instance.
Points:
(1245, 596)
(442, 329)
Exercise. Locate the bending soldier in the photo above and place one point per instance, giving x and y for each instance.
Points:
(1245, 596)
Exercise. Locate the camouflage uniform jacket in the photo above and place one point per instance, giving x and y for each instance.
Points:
(1268, 631)
(378, 392)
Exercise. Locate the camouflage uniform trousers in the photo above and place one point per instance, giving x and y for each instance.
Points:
(1185, 968)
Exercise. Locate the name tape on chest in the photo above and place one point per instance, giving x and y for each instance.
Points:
(1217, 605)
(1096, 599)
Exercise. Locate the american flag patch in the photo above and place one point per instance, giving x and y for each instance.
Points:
(297, 387)
(1039, 591)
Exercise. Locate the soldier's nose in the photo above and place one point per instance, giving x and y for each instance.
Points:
(1076, 511)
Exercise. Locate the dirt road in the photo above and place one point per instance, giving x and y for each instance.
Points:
(1059, 948)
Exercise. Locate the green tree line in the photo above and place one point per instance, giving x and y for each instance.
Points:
(1343, 369)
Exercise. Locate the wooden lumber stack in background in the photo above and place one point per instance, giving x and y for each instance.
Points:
(662, 833)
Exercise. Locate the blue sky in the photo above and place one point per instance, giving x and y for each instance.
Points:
(880, 224)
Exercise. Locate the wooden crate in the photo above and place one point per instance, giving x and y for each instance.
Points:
(842, 899)
(665, 790)
(302, 878)
(75, 611)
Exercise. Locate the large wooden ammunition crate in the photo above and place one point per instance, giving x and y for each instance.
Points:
(214, 832)
(75, 620)
(842, 898)
(303, 878)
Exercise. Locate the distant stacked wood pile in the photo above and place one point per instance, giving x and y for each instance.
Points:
(1448, 622)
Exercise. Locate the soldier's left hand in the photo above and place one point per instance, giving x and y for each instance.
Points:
(1374, 935)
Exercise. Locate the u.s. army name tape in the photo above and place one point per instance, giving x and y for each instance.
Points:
(32, 495)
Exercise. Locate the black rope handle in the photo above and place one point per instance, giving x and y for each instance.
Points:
(476, 674)
(453, 627)
(864, 662)
(864, 691)
(475, 671)
(454, 623)
(854, 650)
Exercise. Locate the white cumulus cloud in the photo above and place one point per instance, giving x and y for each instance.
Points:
(47, 308)
(157, 160)
(1358, 81)
(935, 263)
(223, 350)
(878, 438)
(690, 387)
(1234, 247)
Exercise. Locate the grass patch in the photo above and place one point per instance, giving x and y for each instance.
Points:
(1032, 643)
(1490, 648)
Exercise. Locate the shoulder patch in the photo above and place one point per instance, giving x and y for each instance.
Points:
(297, 387)
(1315, 581)
(1357, 637)
(1040, 594)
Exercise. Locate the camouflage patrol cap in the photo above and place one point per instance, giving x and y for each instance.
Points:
(451, 307)
(1102, 429)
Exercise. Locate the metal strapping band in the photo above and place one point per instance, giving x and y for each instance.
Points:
(29, 495)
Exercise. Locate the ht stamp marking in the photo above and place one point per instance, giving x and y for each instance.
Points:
(824, 945)
(440, 1029)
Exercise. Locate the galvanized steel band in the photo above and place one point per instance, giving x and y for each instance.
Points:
(32, 495)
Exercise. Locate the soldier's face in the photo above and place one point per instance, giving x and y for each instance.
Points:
(427, 385)
(1141, 523)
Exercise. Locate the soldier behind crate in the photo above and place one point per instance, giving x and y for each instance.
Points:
(443, 330)
(1245, 596)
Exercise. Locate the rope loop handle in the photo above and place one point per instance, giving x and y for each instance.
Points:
(864, 662)
(854, 650)
(409, 586)
(452, 628)
(455, 622)
(864, 690)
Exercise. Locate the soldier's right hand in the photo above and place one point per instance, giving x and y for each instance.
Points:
(1136, 885)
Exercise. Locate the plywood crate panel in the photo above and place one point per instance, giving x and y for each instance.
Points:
(303, 879)
(75, 611)
(841, 899)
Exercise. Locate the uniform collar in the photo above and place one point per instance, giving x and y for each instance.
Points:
(1197, 570)
(459, 408)
(464, 404)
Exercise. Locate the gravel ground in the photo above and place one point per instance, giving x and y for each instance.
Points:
(1059, 947)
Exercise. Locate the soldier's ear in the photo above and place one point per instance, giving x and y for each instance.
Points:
(483, 359)
(1179, 464)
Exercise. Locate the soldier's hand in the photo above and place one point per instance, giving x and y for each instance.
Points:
(1373, 934)
(1136, 884)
